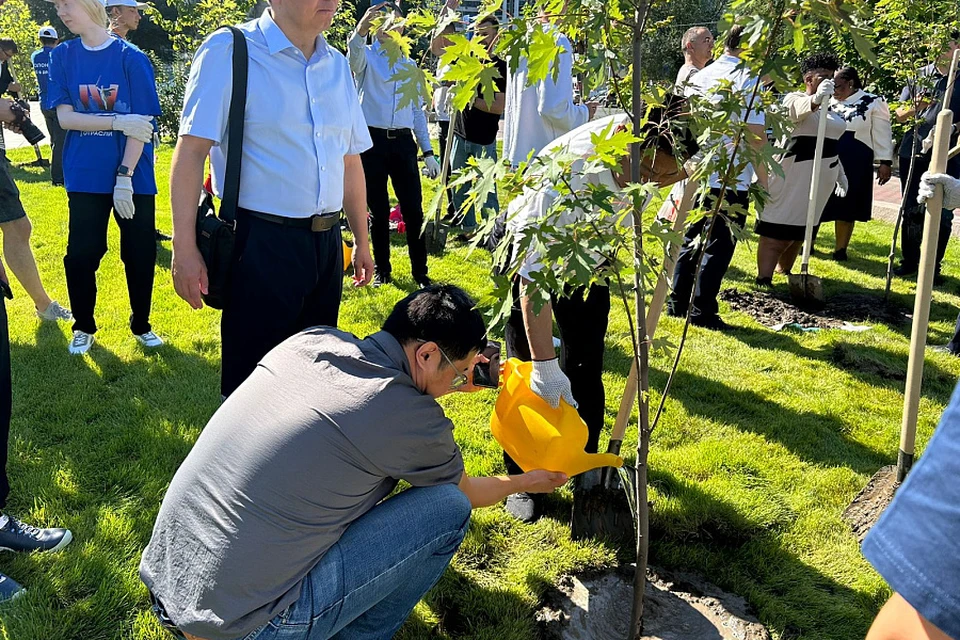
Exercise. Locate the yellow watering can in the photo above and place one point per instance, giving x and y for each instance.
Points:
(536, 435)
(347, 255)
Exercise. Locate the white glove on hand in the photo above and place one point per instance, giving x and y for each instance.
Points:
(842, 186)
(123, 197)
(431, 168)
(951, 189)
(134, 126)
(824, 92)
(927, 143)
(550, 383)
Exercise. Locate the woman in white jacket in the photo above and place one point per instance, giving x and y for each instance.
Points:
(868, 139)
(782, 221)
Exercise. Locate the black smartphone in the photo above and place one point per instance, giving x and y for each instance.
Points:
(487, 374)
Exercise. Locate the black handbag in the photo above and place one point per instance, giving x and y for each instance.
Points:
(217, 234)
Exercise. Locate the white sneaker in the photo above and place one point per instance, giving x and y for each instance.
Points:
(55, 311)
(149, 339)
(81, 343)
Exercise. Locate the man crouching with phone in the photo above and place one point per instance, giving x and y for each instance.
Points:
(276, 524)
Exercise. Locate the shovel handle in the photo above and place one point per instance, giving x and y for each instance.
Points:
(656, 308)
(814, 185)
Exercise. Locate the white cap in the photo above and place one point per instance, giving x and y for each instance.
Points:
(48, 32)
(125, 3)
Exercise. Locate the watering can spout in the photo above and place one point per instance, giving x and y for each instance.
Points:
(536, 435)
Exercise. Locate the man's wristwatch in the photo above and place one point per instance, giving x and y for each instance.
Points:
(427, 154)
(124, 171)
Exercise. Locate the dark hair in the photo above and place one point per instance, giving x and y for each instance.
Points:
(825, 61)
(732, 41)
(441, 313)
(490, 20)
(850, 75)
(46, 40)
(9, 45)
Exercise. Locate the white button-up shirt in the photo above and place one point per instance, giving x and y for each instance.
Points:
(537, 114)
(302, 118)
(728, 67)
(380, 95)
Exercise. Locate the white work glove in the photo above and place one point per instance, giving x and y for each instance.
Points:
(842, 186)
(951, 189)
(550, 383)
(927, 143)
(431, 168)
(123, 197)
(134, 126)
(824, 92)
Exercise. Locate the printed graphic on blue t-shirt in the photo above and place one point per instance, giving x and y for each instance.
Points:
(41, 67)
(115, 80)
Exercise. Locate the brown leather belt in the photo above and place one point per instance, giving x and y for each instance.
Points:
(316, 224)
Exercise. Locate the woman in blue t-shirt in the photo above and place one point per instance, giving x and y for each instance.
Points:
(104, 91)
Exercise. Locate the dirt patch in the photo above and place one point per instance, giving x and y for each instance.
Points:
(677, 606)
(772, 309)
(871, 502)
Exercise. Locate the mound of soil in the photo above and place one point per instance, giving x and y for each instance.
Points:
(772, 308)
(676, 607)
(871, 502)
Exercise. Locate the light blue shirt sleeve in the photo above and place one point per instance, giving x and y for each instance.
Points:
(420, 125)
(914, 545)
(357, 55)
(206, 102)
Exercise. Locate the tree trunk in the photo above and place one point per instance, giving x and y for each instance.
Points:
(641, 347)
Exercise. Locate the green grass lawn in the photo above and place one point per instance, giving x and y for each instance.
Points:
(767, 437)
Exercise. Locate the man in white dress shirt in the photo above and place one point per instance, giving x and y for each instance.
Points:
(538, 113)
(394, 152)
(303, 134)
(697, 47)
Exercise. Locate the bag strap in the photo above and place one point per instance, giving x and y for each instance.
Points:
(235, 122)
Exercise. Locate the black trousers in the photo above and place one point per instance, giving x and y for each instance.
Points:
(57, 135)
(582, 320)
(716, 256)
(286, 279)
(6, 402)
(914, 216)
(87, 244)
(441, 154)
(395, 158)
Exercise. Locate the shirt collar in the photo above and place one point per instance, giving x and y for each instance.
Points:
(392, 348)
(277, 40)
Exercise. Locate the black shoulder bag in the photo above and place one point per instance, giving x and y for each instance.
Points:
(217, 235)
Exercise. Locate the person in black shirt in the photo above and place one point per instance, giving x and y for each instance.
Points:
(925, 99)
(475, 130)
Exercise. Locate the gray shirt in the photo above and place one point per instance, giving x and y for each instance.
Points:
(319, 433)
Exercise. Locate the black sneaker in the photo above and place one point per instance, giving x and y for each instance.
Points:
(764, 282)
(840, 255)
(9, 588)
(522, 506)
(381, 279)
(17, 536)
(714, 323)
(905, 270)
(423, 281)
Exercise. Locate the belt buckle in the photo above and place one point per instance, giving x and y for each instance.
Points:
(319, 224)
(391, 134)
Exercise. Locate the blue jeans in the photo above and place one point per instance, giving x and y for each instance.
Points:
(462, 151)
(367, 584)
